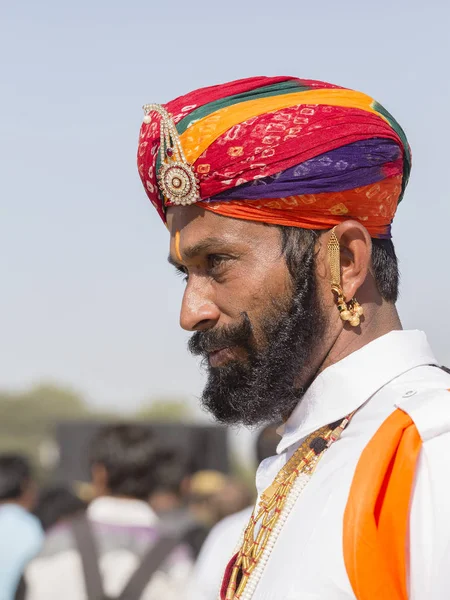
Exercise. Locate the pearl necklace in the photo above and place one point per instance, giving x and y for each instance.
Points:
(300, 484)
(273, 510)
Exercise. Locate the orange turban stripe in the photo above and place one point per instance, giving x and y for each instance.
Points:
(373, 205)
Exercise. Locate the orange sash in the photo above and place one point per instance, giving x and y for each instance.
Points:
(376, 518)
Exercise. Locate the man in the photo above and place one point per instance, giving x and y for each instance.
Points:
(169, 500)
(223, 537)
(203, 488)
(20, 532)
(57, 503)
(124, 460)
(279, 195)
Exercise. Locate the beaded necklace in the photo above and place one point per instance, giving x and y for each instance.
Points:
(273, 509)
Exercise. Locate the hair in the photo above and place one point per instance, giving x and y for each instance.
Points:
(384, 260)
(56, 503)
(131, 457)
(15, 476)
(173, 469)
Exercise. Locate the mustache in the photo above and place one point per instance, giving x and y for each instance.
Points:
(239, 334)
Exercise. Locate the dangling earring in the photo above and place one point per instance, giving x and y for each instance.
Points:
(353, 311)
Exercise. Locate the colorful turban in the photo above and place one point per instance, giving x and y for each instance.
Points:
(285, 151)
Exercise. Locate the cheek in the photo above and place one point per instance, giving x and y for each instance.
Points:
(272, 292)
(257, 293)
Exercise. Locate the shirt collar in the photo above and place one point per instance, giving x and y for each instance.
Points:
(121, 511)
(345, 386)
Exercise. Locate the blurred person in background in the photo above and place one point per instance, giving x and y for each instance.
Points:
(204, 486)
(56, 504)
(170, 500)
(233, 497)
(21, 534)
(214, 495)
(224, 537)
(170, 494)
(120, 547)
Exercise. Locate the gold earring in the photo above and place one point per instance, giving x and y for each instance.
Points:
(353, 311)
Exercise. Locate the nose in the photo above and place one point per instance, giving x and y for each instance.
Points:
(198, 310)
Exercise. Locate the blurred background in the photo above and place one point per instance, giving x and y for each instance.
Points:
(89, 306)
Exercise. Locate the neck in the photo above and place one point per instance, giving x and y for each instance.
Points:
(378, 321)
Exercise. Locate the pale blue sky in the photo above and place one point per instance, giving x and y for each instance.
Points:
(87, 298)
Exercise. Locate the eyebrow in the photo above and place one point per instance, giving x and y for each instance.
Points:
(196, 249)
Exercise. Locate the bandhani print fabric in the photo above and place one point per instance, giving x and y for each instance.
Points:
(286, 151)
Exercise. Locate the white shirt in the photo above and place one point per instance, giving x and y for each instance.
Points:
(216, 552)
(124, 530)
(307, 562)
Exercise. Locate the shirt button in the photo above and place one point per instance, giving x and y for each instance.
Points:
(409, 393)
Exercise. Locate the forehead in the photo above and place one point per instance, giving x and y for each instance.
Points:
(193, 224)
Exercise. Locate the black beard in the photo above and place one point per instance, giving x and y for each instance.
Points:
(263, 389)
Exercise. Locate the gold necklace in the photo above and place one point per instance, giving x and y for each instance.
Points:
(273, 500)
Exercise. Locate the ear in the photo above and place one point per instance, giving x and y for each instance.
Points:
(356, 256)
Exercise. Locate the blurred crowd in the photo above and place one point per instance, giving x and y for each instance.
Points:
(145, 527)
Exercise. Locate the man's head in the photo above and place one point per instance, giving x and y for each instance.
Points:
(173, 483)
(124, 462)
(16, 481)
(260, 306)
(56, 504)
(278, 164)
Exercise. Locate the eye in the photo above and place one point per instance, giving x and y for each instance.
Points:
(182, 272)
(215, 261)
(217, 264)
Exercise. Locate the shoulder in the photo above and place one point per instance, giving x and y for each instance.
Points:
(58, 539)
(428, 405)
(28, 529)
(33, 524)
(20, 519)
(429, 408)
(427, 402)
